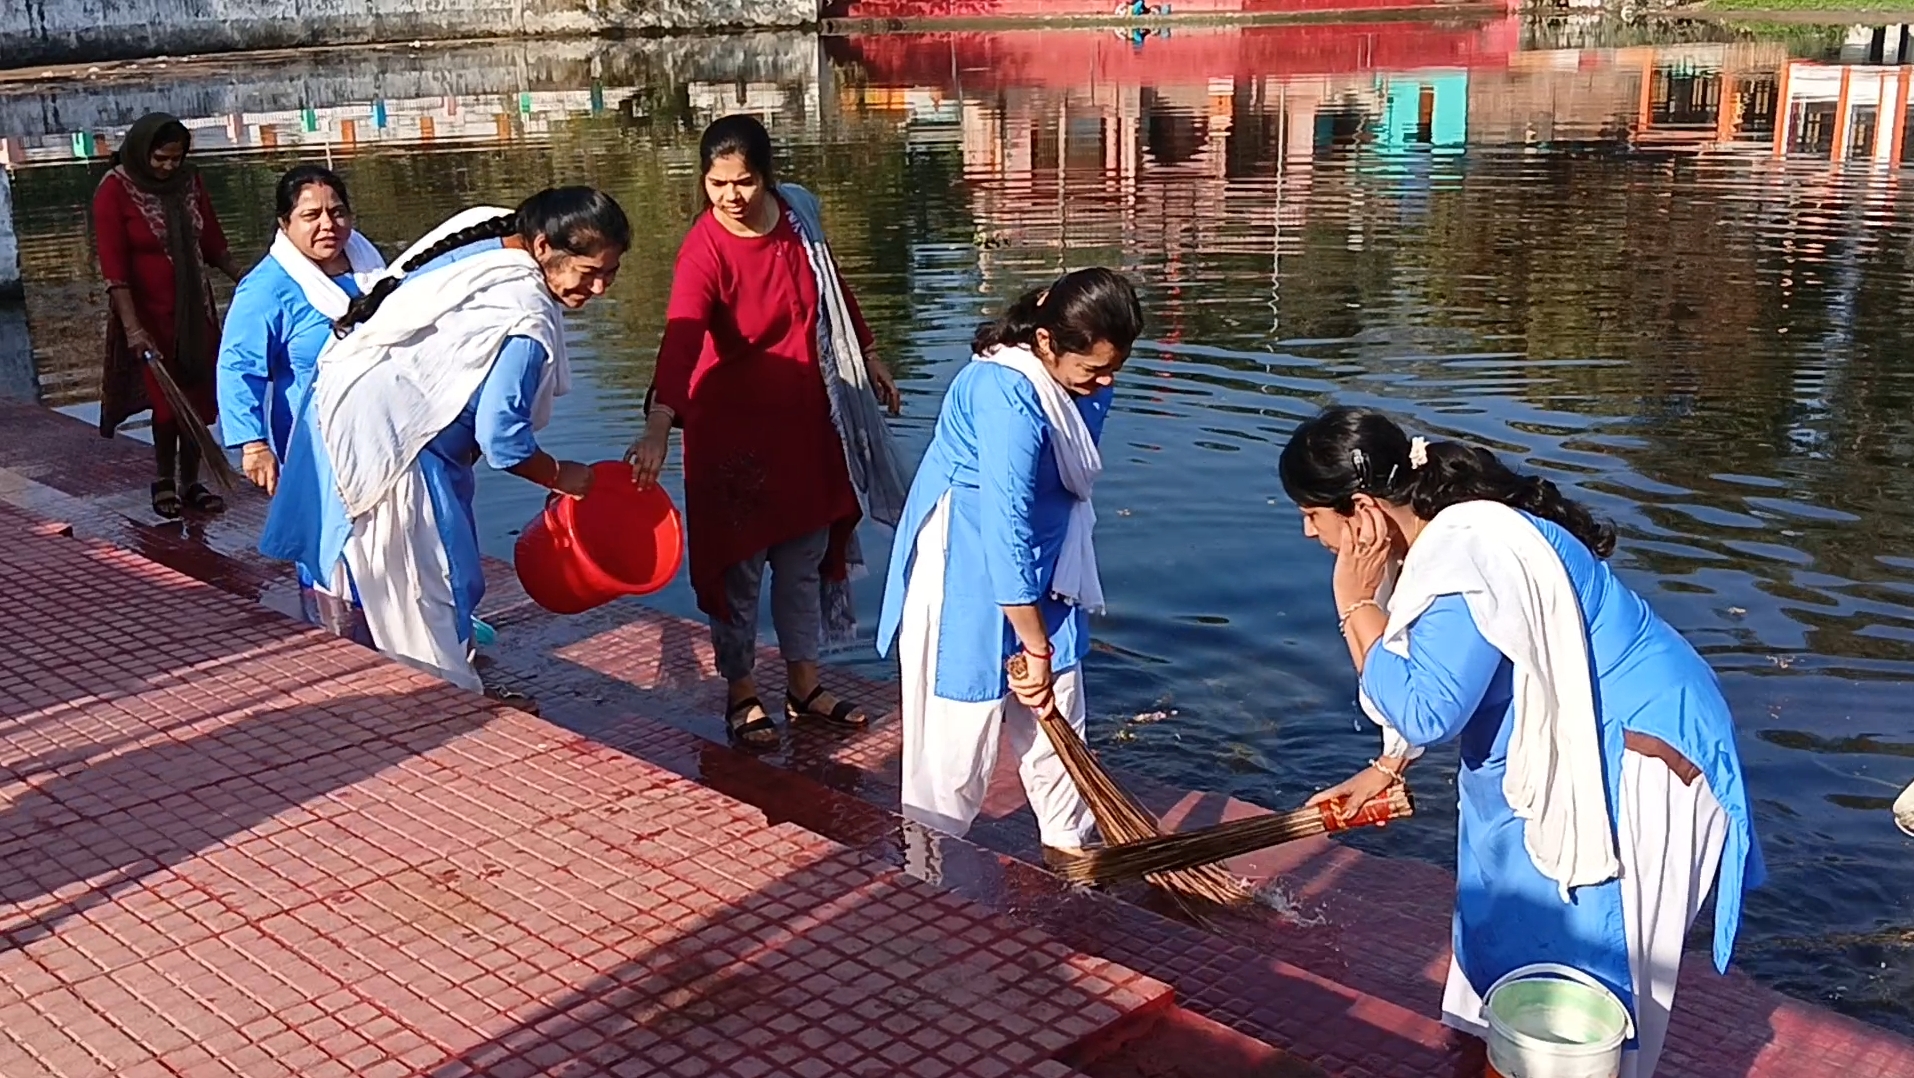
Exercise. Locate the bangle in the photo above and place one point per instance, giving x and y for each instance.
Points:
(1342, 620)
(1394, 774)
(1046, 655)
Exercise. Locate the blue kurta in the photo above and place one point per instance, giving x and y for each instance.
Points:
(1008, 513)
(1456, 686)
(307, 522)
(267, 352)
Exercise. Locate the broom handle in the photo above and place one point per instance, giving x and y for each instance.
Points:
(1062, 727)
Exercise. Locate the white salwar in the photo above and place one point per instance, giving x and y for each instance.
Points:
(950, 746)
(1672, 836)
(405, 583)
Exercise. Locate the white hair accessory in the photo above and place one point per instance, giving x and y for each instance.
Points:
(1418, 452)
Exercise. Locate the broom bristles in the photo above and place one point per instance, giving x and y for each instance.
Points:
(1121, 818)
(1206, 846)
(210, 451)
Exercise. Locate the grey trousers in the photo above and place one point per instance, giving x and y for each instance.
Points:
(795, 605)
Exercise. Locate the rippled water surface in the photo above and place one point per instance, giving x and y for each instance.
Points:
(1700, 328)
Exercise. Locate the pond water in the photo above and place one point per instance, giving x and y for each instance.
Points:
(1552, 239)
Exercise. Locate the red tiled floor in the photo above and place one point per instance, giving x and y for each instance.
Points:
(229, 845)
(1347, 978)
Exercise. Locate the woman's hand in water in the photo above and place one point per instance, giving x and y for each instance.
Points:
(647, 453)
(260, 466)
(1363, 557)
(883, 385)
(572, 478)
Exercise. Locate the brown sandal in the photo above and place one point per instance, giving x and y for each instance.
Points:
(754, 731)
(843, 716)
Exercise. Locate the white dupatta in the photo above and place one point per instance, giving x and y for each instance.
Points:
(392, 384)
(1522, 601)
(1079, 463)
(325, 295)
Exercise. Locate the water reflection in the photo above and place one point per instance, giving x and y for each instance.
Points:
(1672, 276)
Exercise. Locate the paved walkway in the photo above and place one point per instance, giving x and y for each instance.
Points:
(233, 846)
(1346, 976)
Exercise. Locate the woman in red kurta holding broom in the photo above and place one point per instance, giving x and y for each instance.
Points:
(768, 367)
(156, 233)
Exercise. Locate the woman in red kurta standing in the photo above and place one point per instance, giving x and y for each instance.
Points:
(769, 368)
(156, 233)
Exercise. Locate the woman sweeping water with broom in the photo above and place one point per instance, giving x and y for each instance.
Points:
(994, 556)
(438, 366)
(155, 233)
(1601, 793)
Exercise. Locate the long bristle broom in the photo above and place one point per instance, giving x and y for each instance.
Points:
(210, 450)
(1121, 819)
(1183, 864)
(1188, 849)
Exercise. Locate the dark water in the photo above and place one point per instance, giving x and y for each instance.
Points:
(1494, 237)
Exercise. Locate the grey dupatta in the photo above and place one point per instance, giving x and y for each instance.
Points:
(876, 472)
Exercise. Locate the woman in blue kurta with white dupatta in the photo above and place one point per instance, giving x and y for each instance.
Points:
(1601, 794)
(994, 555)
(282, 315)
(280, 318)
(438, 367)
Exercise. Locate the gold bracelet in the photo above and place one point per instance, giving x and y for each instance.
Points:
(1342, 622)
(1394, 776)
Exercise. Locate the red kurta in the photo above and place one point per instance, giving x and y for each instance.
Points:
(739, 365)
(129, 227)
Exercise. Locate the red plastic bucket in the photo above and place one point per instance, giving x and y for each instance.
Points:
(617, 540)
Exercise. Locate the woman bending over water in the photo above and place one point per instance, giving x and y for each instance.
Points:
(769, 368)
(377, 487)
(1601, 795)
(994, 556)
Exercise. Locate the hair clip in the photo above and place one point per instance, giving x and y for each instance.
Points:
(1361, 462)
(1418, 452)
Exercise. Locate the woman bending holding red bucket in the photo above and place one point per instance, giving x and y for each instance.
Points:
(769, 368)
(1601, 796)
(454, 358)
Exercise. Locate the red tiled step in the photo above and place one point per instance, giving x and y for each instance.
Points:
(1177, 1043)
(233, 846)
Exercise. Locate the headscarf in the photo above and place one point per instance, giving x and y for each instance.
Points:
(192, 358)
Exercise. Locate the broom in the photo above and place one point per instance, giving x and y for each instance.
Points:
(210, 451)
(1188, 849)
(1121, 819)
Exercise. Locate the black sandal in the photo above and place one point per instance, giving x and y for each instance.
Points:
(166, 499)
(202, 500)
(844, 715)
(756, 733)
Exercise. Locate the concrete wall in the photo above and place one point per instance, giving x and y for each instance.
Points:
(39, 32)
(49, 110)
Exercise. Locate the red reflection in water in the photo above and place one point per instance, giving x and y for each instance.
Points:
(1070, 59)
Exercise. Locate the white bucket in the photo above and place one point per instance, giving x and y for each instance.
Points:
(1553, 1021)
